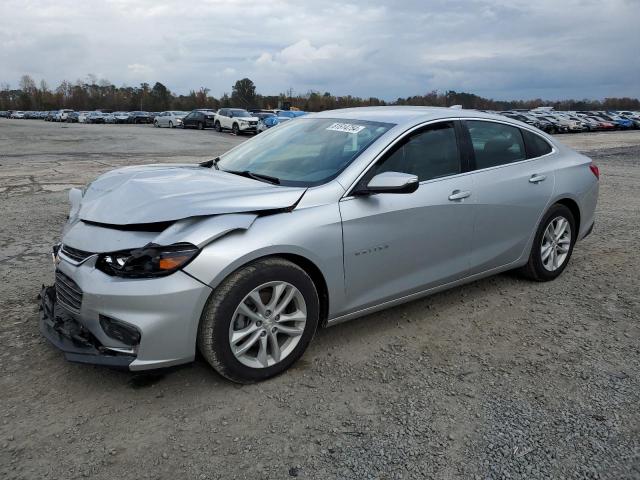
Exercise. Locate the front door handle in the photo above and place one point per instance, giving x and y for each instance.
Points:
(535, 178)
(459, 195)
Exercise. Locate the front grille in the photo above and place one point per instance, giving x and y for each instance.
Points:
(74, 254)
(68, 293)
(253, 123)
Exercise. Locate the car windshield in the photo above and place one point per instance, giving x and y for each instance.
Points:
(240, 113)
(305, 152)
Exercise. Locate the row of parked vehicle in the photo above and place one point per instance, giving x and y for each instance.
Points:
(238, 120)
(235, 120)
(553, 121)
(71, 116)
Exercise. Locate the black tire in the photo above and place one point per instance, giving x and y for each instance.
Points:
(155, 124)
(534, 269)
(170, 124)
(213, 331)
(200, 126)
(235, 129)
(218, 127)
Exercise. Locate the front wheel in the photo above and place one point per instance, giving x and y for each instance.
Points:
(156, 124)
(200, 126)
(552, 245)
(170, 124)
(218, 127)
(259, 321)
(235, 129)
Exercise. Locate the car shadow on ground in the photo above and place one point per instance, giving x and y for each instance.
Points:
(361, 335)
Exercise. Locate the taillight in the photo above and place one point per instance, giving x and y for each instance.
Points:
(595, 170)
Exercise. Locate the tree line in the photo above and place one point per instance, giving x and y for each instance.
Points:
(93, 94)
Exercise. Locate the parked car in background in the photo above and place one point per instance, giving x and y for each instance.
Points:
(238, 120)
(139, 117)
(72, 117)
(121, 117)
(199, 119)
(539, 123)
(17, 114)
(603, 124)
(560, 126)
(94, 117)
(109, 118)
(321, 220)
(266, 120)
(621, 122)
(169, 119)
(61, 115)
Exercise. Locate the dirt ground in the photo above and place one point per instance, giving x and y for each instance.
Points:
(503, 378)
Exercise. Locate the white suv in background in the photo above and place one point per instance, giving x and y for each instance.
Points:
(61, 115)
(238, 120)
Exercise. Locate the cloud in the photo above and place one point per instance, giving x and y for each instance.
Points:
(497, 48)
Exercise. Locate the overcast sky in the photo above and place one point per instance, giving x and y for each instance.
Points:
(502, 49)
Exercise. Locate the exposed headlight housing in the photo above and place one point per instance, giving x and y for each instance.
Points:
(149, 261)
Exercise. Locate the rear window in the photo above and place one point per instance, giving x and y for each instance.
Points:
(536, 145)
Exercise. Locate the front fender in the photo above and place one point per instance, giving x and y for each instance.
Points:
(314, 234)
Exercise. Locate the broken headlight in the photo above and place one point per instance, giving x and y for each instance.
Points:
(150, 261)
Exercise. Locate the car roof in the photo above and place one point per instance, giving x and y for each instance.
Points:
(402, 114)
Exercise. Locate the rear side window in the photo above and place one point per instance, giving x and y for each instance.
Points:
(536, 145)
(430, 153)
(495, 143)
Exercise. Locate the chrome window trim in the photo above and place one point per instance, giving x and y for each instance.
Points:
(403, 135)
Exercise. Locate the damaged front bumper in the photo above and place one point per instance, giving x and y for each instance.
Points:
(78, 344)
(138, 324)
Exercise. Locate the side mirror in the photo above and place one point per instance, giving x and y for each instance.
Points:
(392, 182)
(230, 114)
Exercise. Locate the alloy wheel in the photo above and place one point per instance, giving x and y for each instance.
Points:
(556, 243)
(268, 324)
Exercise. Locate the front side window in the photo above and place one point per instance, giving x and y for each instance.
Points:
(305, 152)
(495, 143)
(428, 154)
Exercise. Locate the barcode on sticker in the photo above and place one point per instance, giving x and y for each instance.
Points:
(345, 127)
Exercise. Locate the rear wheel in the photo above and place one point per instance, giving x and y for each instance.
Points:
(259, 321)
(552, 245)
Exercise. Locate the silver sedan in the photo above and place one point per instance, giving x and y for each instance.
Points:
(171, 119)
(326, 218)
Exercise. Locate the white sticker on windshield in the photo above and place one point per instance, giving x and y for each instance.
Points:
(345, 127)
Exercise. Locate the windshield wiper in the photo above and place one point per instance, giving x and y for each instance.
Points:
(256, 176)
(211, 163)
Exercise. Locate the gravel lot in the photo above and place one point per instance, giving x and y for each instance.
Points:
(502, 378)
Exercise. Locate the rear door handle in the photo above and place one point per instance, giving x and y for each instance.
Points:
(459, 195)
(535, 178)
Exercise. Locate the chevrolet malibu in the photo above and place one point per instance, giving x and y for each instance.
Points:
(326, 218)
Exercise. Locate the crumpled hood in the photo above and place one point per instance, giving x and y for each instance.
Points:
(161, 193)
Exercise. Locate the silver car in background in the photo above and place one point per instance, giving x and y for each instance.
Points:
(326, 218)
(171, 119)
